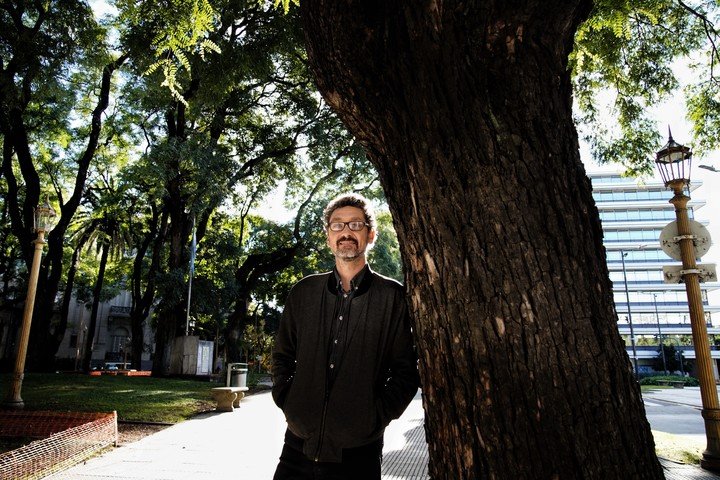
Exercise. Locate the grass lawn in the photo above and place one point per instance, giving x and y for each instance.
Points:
(648, 388)
(143, 399)
(678, 448)
(675, 447)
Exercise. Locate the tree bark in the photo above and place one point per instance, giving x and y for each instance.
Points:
(143, 293)
(92, 327)
(465, 109)
(67, 298)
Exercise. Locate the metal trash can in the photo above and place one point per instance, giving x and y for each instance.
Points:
(237, 375)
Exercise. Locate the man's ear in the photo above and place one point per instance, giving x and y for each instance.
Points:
(371, 236)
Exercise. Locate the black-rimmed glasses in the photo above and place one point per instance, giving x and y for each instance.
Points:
(340, 226)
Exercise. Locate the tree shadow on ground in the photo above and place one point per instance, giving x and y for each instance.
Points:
(410, 462)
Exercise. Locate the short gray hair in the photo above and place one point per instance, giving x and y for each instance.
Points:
(351, 200)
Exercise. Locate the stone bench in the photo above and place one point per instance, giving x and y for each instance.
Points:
(677, 384)
(228, 397)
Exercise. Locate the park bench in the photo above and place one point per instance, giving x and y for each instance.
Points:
(678, 384)
(228, 397)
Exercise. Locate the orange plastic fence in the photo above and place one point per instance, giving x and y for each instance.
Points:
(64, 440)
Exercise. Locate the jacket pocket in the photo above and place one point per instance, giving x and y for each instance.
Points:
(280, 392)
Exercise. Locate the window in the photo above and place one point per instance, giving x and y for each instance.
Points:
(631, 195)
(119, 340)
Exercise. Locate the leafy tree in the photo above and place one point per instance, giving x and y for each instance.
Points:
(245, 117)
(671, 361)
(11, 292)
(259, 343)
(55, 82)
(105, 230)
(626, 59)
(385, 254)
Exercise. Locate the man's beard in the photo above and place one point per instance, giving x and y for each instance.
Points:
(348, 252)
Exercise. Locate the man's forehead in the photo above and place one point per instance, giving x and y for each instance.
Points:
(349, 213)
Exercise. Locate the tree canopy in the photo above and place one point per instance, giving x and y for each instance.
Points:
(631, 55)
(147, 124)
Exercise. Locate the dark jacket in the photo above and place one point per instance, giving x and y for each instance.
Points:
(375, 381)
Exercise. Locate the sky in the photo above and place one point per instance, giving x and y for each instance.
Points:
(672, 113)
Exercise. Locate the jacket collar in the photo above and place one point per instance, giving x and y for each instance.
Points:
(360, 282)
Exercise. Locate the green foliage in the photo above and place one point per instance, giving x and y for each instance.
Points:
(385, 254)
(181, 28)
(672, 360)
(703, 104)
(665, 379)
(285, 4)
(259, 344)
(187, 135)
(624, 63)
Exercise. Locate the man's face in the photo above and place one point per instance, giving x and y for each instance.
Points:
(347, 244)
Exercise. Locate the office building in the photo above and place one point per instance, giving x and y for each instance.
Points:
(633, 214)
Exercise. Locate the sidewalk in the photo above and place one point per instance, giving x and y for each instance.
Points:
(246, 443)
(243, 444)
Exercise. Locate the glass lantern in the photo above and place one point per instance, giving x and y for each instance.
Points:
(674, 162)
(44, 217)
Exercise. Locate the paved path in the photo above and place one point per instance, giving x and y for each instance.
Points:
(243, 444)
(246, 443)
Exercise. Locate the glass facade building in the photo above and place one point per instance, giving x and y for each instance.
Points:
(633, 214)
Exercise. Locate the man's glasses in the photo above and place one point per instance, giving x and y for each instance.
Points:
(340, 226)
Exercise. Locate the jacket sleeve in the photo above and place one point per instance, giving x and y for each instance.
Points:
(284, 356)
(401, 379)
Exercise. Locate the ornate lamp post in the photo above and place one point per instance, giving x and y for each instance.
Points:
(44, 218)
(674, 162)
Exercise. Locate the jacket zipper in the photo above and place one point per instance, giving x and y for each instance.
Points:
(322, 424)
(327, 397)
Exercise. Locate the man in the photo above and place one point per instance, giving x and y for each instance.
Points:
(343, 363)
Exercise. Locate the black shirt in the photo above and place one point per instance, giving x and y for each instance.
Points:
(341, 313)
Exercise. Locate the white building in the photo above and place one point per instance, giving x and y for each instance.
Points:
(633, 214)
(112, 334)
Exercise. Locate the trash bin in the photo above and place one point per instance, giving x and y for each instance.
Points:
(237, 375)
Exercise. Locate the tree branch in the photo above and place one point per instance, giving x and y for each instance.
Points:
(710, 33)
(69, 208)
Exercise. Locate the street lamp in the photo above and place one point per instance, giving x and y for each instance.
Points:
(674, 162)
(709, 167)
(629, 312)
(660, 339)
(44, 218)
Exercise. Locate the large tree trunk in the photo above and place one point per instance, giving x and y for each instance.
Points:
(44, 330)
(143, 282)
(465, 110)
(92, 327)
(171, 318)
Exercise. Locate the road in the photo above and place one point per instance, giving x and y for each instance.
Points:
(675, 419)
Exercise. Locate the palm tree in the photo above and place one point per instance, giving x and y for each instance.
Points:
(105, 229)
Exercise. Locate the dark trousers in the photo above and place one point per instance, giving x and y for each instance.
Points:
(362, 463)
